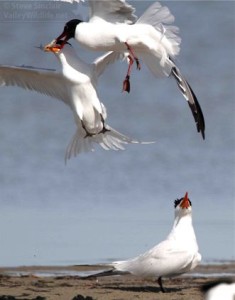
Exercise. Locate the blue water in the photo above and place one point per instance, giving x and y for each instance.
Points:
(114, 205)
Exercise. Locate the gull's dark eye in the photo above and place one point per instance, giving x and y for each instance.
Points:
(177, 202)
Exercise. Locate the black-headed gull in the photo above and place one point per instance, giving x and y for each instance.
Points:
(176, 255)
(75, 85)
(151, 38)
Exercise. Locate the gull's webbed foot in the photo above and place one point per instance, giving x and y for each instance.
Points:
(126, 84)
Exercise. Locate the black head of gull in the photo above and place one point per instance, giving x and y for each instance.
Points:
(69, 31)
(61, 42)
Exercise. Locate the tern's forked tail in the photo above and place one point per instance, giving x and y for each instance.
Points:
(108, 140)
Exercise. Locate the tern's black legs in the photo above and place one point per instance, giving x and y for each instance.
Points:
(89, 134)
(160, 284)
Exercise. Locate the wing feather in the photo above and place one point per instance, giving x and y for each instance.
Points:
(160, 18)
(45, 82)
(103, 61)
(113, 11)
(155, 262)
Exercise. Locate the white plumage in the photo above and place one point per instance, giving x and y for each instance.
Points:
(221, 291)
(76, 87)
(152, 39)
(176, 255)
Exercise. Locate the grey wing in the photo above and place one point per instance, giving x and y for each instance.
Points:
(155, 15)
(29, 78)
(165, 260)
(113, 11)
(161, 19)
(102, 62)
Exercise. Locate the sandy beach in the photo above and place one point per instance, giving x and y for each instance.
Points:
(50, 283)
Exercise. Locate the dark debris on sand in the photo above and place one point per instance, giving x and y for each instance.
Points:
(4, 297)
(78, 297)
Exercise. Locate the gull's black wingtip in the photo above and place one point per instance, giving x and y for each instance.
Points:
(198, 115)
(191, 98)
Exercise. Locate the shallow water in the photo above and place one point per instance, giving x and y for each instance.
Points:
(113, 205)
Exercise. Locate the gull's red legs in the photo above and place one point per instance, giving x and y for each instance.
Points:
(126, 82)
(132, 57)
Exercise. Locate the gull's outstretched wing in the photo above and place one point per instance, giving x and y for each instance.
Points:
(191, 98)
(113, 11)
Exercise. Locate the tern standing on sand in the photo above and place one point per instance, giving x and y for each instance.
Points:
(113, 27)
(174, 256)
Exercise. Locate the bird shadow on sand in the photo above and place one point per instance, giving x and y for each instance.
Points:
(143, 289)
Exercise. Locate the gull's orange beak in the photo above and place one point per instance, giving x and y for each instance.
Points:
(52, 47)
(185, 203)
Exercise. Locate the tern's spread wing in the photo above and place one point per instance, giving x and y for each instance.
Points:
(29, 78)
(103, 61)
(113, 11)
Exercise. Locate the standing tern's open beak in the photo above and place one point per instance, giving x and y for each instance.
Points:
(185, 202)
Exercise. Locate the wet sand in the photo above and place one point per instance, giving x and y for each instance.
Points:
(53, 283)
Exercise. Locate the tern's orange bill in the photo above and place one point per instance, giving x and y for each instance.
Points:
(185, 203)
(52, 47)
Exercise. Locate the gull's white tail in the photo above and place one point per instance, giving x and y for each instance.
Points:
(161, 19)
(108, 140)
